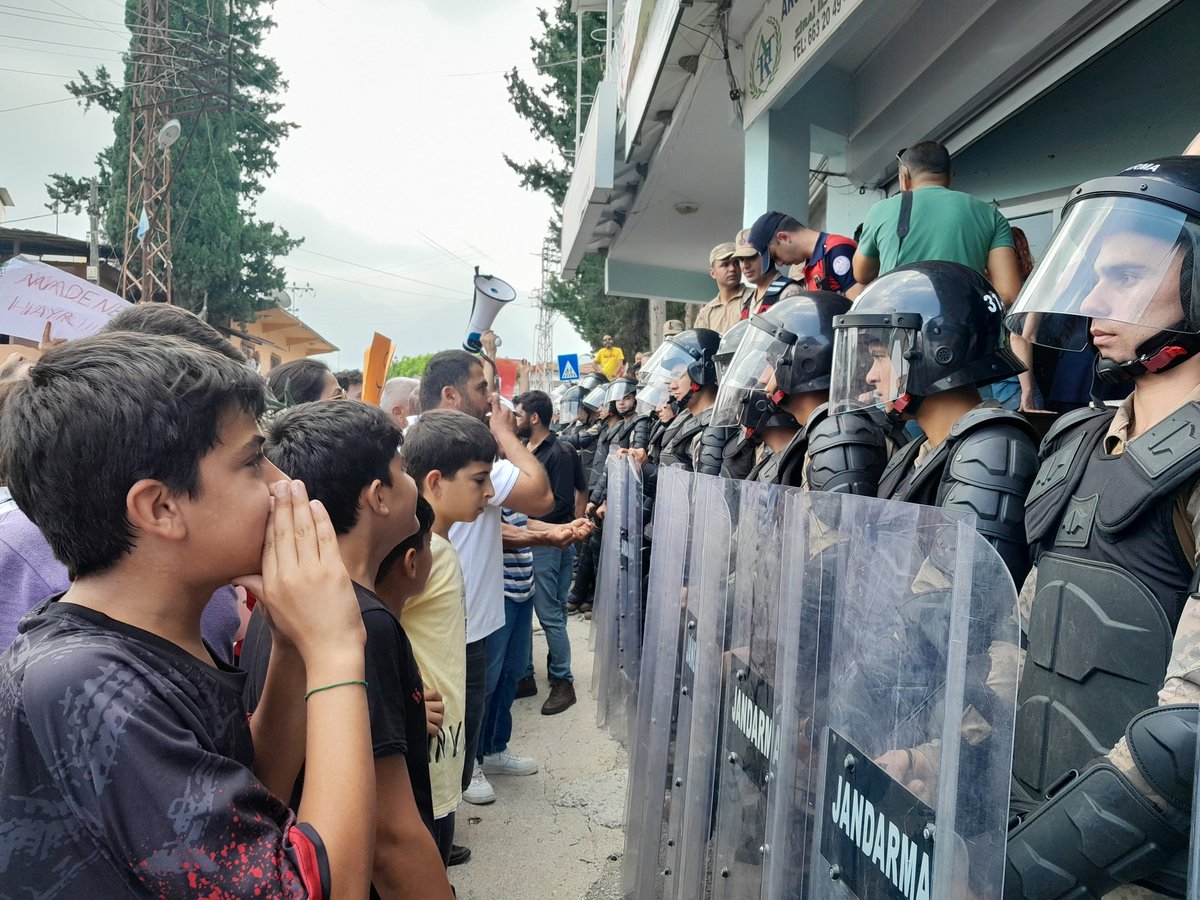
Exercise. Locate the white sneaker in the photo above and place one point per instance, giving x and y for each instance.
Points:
(505, 763)
(479, 791)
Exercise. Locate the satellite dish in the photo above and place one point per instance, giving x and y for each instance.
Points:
(169, 133)
(282, 299)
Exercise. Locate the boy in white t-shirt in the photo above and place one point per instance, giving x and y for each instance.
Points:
(450, 456)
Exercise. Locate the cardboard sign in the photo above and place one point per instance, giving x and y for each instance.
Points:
(375, 366)
(33, 293)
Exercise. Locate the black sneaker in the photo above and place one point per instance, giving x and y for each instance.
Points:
(562, 697)
(527, 687)
(459, 855)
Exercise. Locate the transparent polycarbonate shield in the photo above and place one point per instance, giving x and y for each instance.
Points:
(623, 520)
(1193, 889)
(666, 598)
(693, 767)
(897, 679)
(748, 719)
(606, 604)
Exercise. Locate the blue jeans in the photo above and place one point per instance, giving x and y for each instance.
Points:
(508, 650)
(551, 584)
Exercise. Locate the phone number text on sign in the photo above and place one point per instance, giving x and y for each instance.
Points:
(809, 30)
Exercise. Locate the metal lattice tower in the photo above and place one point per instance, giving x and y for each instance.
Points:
(146, 263)
(546, 363)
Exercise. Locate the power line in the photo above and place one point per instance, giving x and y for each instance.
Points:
(378, 287)
(380, 271)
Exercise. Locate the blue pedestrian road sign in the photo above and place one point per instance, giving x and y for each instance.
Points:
(568, 367)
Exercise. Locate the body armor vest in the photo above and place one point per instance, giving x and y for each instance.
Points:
(1111, 583)
(677, 440)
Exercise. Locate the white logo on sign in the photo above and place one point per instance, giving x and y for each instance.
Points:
(568, 372)
(841, 265)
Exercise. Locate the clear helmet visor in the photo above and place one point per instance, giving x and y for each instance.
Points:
(650, 397)
(1118, 271)
(568, 408)
(730, 341)
(668, 362)
(619, 390)
(870, 367)
(595, 397)
(752, 368)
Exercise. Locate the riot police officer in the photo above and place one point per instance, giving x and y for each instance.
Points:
(1103, 759)
(683, 364)
(919, 343)
(777, 389)
(726, 449)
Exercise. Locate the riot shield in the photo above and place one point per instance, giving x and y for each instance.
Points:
(617, 614)
(666, 599)
(692, 781)
(1193, 889)
(896, 697)
(748, 729)
(604, 613)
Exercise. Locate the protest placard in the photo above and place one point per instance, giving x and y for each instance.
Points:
(33, 293)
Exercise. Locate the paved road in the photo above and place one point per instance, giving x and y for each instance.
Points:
(556, 835)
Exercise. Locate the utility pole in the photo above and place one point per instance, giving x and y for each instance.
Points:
(544, 360)
(93, 266)
(146, 262)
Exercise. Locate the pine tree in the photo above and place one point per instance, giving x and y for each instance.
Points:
(550, 111)
(225, 258)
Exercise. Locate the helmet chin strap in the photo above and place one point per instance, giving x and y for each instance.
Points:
(905, 403)
(1159, 353)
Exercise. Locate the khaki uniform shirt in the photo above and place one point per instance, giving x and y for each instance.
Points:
(719, 315)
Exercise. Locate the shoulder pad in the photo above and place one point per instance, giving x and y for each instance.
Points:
(1068, 421)
(989, 472)
(847, 453)
(983, 416)
(1162, 460)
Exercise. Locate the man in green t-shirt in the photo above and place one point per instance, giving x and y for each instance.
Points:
(942, 224)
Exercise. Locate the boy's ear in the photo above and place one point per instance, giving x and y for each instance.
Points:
(152, 509)
(373, 498)
(431, 486)
(410, 563)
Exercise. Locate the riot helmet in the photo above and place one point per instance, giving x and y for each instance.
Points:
(621, 390)
(689, 352)
(594, 399)
(568, 403)
(650, 397)
(919, 330)
(591, 380)
(788, 350)
(728, 347)
(1120, 274)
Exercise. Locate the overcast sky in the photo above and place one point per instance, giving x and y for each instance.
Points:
(396, 166)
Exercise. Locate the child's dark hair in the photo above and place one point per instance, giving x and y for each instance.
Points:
(164, 319)
(536, 402)
(336, 449)
(347, 378)
(450, 368)
(298, 381)
(99, 414)
(415, 541)
(446, 440)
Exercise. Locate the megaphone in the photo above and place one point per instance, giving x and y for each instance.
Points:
(491, 294)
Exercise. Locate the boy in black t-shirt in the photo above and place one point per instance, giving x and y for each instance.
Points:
(348, 453)
(129, 766)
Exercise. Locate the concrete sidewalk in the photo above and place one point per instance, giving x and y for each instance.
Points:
(556, 835)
